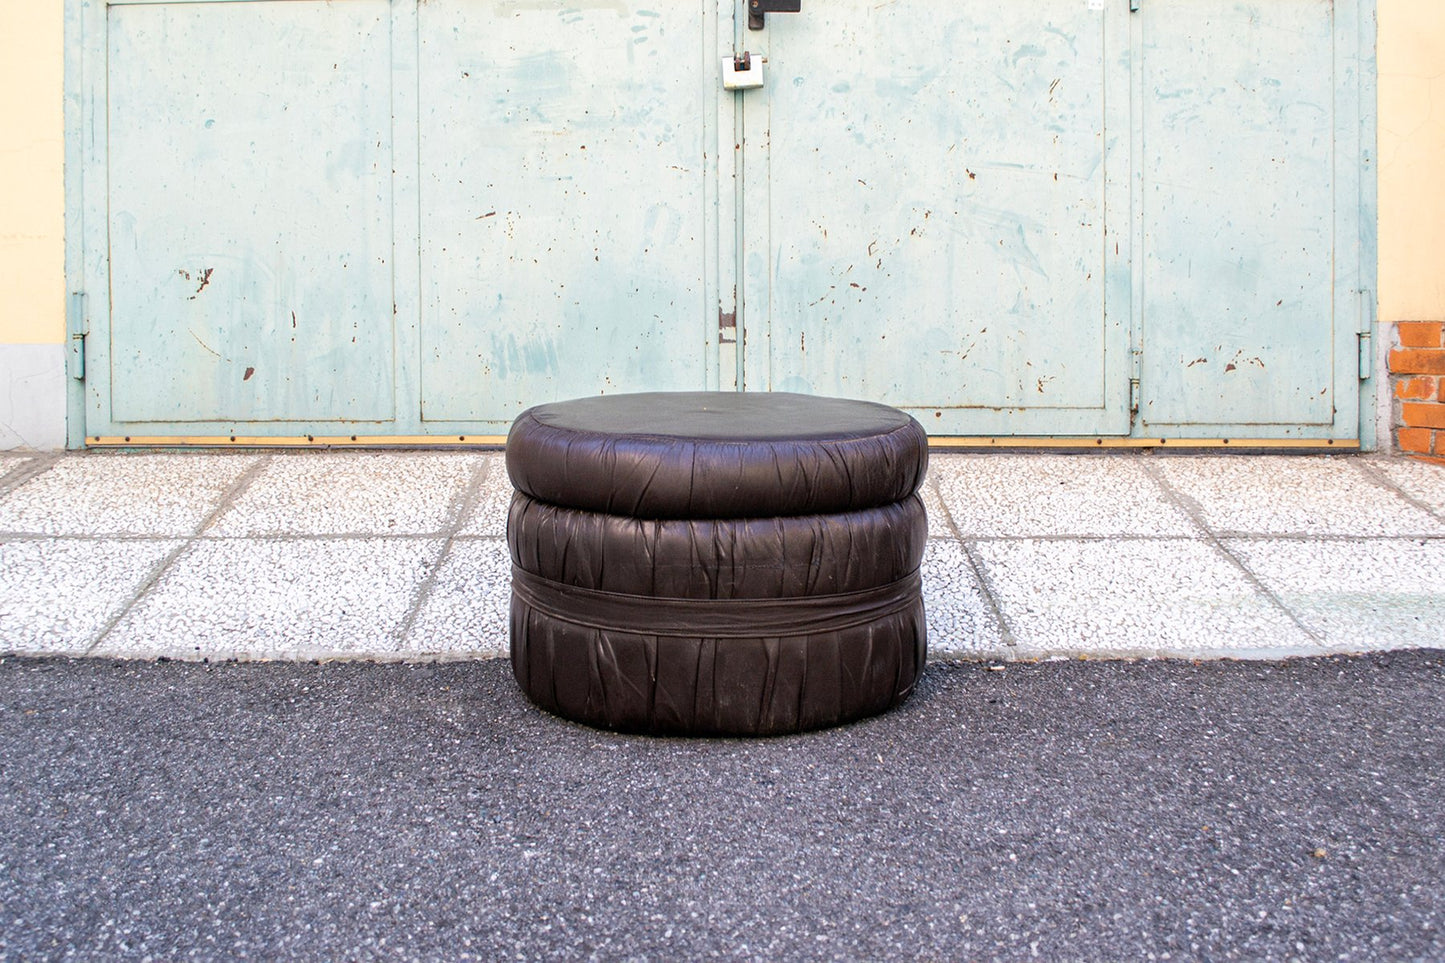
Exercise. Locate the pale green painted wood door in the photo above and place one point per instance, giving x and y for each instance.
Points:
(384, 218)
(566, 202)
(930, 191)
(414, 219)
(248, 215)
(999, 216)
(1252, 171)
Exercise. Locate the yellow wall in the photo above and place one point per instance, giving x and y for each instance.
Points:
(32, 196)
(1412, 160)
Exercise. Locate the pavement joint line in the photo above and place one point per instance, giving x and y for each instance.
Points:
(30, 467)
(1257, 536)
(1374, 473)
(1006, 633)
(1248, 535)
(457, 513)
(1251, 535)
(476, 537)
(15, 465)
(223, 504)
(1196, 514)
(221, 539)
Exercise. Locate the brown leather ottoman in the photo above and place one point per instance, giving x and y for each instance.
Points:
(715, 562)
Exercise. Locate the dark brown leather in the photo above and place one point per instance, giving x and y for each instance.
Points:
(702, 685)
(714, 455)
(784, 557)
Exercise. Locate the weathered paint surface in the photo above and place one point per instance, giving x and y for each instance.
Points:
(250, 228)
(421, 217)
(564, 203)
(1250, 223)
(939, 181)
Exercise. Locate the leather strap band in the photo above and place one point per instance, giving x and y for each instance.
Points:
(714, 618)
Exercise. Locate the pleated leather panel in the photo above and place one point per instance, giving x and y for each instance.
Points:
(784, 557)
(716, 454)
(697, 685)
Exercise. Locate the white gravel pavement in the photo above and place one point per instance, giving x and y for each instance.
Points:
(401, 555)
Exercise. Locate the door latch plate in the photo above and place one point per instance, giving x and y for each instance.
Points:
(758, 8)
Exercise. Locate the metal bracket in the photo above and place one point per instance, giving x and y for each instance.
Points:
(757, 8)
(76, 328)
(1133, 6)
(1366, 334)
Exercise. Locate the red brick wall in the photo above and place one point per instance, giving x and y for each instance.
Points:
(1417, 372)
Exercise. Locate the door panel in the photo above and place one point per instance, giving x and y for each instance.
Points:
(928, 188)
(564, 203)
(1239, 283)
(249, 214)
(420, 217)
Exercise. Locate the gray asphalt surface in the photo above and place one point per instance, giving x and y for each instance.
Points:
(1070, 810)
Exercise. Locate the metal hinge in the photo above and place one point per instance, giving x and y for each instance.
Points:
(1366, 334)
(76, 328)
(727, 326)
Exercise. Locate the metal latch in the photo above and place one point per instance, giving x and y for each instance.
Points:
(756, 9)
(742, 72)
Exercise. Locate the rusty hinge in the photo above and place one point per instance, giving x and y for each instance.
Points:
(727, 327)
(76, 328)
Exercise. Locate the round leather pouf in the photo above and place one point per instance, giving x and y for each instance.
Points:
(714, 563)
(716, 454)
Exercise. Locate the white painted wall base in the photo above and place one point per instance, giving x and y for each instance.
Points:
(32, 396)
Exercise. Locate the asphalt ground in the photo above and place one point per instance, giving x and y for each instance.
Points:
(1061, 811)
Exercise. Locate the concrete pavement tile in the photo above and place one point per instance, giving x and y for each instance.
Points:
(466, 614)
(1378, 594)
(488, 517)
(1423, 481)
(961, 624)
(122, 494)
(1111, 598)
(278, 599)
(1038, 495)
(56, 595)
(351, 493)
(1292, 494)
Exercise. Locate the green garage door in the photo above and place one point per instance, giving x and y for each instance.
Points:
(403, 221)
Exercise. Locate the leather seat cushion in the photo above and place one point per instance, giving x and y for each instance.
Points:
(714, 455)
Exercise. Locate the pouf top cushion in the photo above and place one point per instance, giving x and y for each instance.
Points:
(716, 454)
